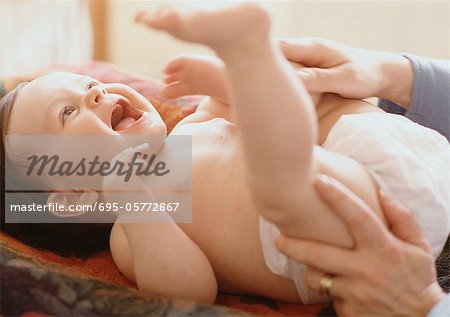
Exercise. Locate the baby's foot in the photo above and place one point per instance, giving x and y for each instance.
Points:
(195, 75)
(222, 30)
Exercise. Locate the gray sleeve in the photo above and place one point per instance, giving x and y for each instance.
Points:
(430, 104)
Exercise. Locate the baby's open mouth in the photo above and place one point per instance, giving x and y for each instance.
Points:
(123, 115)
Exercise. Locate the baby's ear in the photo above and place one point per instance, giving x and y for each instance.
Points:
(70, 204)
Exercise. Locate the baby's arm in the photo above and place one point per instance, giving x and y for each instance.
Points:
(151, 249)
(163, 261)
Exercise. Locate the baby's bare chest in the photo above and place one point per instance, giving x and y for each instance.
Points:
(210, 134)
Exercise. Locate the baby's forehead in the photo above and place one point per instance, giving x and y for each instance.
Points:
(61, 78)
(47, 86)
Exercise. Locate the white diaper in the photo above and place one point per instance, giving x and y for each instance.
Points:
(407, 160)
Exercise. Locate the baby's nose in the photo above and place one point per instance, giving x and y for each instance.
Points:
(95, 95)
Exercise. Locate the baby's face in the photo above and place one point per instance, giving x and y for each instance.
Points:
(71, 104)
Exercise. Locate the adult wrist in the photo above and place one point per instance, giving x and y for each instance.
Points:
(397, 79)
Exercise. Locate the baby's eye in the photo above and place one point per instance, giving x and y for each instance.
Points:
(91, 84)
(66, 113)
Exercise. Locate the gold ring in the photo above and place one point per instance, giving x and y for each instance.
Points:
(325, 283)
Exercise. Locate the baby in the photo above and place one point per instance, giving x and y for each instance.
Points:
(253, 160)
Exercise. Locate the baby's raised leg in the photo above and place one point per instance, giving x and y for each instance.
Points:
(274, 112)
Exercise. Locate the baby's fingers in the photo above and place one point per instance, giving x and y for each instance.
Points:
(124, 166)
(126, 156)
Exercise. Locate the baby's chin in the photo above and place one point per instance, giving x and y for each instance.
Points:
(157, 128)
(157, 132)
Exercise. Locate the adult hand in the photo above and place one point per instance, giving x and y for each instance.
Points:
(387, 273)
(350, 72)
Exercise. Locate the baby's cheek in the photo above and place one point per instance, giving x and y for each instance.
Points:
(89, 127)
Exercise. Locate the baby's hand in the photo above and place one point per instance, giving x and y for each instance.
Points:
(127, 188)
(129, 181)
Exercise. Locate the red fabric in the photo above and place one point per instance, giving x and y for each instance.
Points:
(34, 314)
(260, 307)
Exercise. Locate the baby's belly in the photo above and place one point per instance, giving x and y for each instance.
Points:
(225, 218)
(225, 227)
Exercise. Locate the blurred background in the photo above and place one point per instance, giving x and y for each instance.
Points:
(35, 34)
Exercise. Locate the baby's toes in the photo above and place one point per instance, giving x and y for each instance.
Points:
(163, 18)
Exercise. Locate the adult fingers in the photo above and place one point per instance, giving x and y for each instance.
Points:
(300, 51)
(337, 305)
(402, 222)
(312, 52)
(361, 221)
(318, 255)
(319, 80)
(317, 63)
(339, 285)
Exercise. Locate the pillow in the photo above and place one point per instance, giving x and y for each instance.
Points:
(171, 111)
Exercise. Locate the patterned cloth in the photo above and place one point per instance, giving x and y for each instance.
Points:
(40, 283)
(28, 286)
